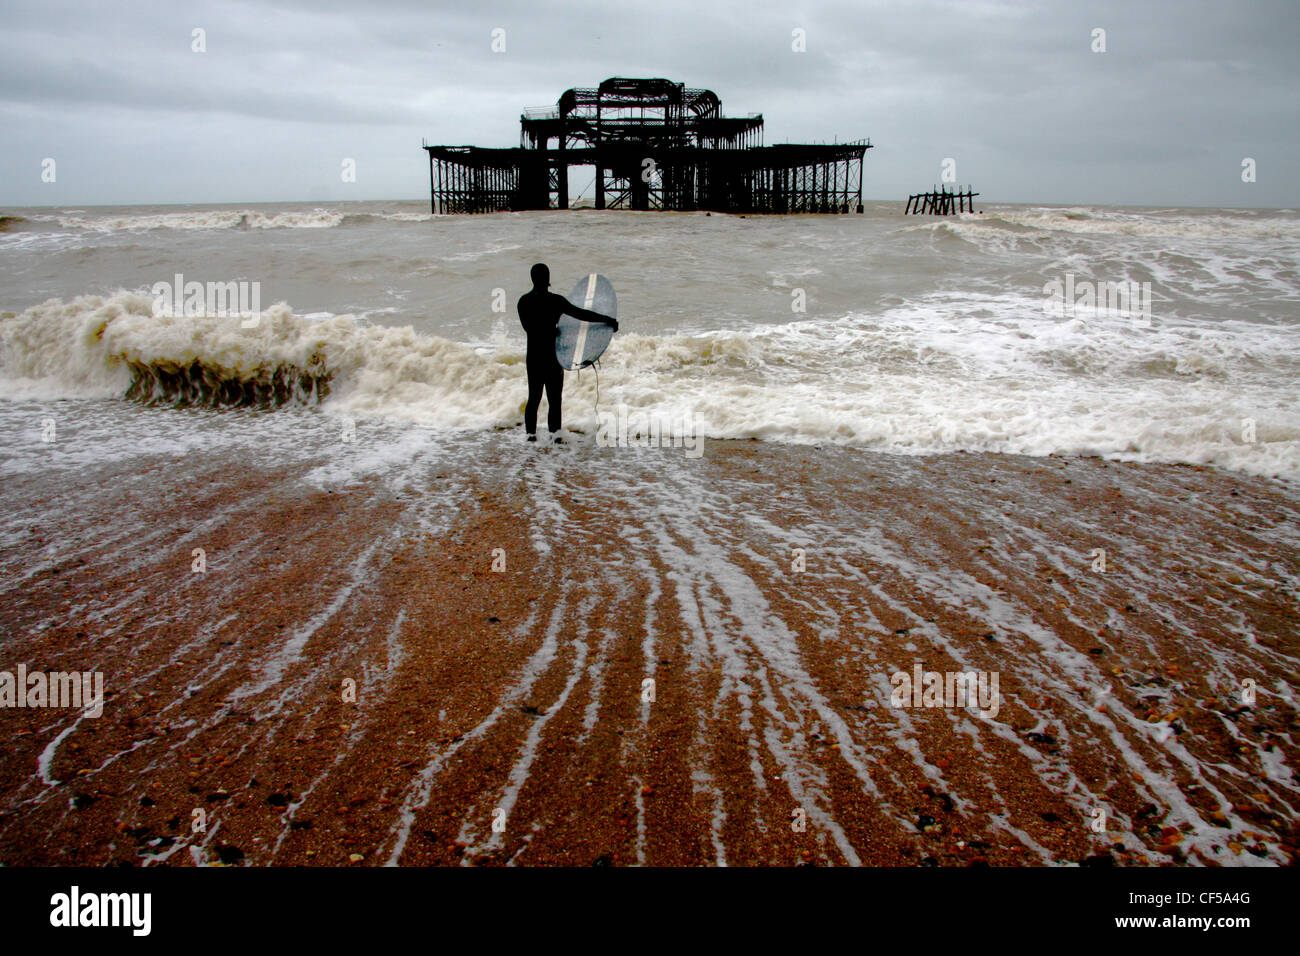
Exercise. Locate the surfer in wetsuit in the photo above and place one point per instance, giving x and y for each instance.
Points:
(539, 311)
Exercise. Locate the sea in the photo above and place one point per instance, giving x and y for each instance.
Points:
(226, 507)
(1161, 335)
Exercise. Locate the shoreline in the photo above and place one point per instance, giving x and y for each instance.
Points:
(521, 690)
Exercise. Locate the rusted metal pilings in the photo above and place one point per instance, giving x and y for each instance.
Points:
(940, 202)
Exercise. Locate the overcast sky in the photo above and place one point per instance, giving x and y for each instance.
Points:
(288, 89)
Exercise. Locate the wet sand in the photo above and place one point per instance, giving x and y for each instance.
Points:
(519, 695)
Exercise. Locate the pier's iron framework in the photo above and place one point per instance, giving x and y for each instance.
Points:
(654, 144)
(940, 202)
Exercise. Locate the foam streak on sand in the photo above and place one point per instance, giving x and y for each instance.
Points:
(521, 694)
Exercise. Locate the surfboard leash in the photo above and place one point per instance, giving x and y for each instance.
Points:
(595, 364)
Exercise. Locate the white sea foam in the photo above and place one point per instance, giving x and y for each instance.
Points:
(980, 374)
(1115, 222)
(204, 219)
(200, 219)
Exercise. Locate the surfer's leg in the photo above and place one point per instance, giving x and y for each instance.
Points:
(554, 386)
(536, 382)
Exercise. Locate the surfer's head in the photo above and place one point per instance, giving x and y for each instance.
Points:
(541, 275)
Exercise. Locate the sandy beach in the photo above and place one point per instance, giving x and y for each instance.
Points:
(350, 682)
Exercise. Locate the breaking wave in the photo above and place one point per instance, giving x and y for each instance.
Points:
(1085, 221)
(319, 218)
(920, 378)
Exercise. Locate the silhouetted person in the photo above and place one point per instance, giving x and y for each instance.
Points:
(539, 313)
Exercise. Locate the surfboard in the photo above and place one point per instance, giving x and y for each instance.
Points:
(579, 343)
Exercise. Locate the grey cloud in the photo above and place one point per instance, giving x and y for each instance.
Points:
(1184, 87)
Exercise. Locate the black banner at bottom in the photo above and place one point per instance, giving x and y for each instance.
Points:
(335, 906)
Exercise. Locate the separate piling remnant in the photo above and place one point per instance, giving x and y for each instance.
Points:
(653, 144)
(940, 202)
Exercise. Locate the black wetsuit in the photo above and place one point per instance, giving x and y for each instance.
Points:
(539, 312)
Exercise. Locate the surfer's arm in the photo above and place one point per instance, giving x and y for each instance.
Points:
(587, 315)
